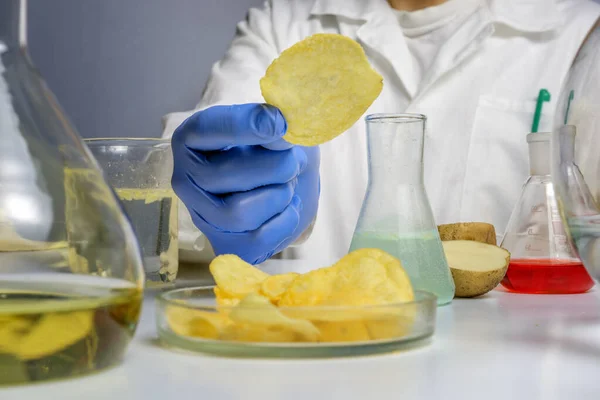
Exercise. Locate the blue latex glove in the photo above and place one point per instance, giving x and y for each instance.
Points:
(251, 193)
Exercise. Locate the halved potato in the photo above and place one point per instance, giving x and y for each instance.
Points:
(476, 267)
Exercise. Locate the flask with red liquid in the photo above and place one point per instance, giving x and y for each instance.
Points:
(543, 260)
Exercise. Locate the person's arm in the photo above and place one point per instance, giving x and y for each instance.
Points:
(233, 80)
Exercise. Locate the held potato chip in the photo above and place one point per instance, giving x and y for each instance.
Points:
(235, 278)
(257, 310)
(274, 286)
(322, 85)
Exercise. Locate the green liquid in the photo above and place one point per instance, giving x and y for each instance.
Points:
(422, 257)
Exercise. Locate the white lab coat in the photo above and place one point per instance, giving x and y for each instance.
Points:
(479, 96)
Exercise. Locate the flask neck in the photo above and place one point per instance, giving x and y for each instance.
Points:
(13, 26)
(395, 149)
(539, 161)
(539, 153)
(567, 144)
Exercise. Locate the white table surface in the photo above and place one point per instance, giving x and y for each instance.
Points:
(500, 346)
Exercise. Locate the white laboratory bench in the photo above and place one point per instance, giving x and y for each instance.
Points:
(500, 346)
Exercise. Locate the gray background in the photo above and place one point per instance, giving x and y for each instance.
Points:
(117, 66)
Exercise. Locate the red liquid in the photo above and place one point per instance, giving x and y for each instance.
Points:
(547, 276)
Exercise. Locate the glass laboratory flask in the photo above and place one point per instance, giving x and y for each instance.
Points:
(542, 258)
(576, 171)
(71, 277)
(396, 215)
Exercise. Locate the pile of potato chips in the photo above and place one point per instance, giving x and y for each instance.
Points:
(365, 296)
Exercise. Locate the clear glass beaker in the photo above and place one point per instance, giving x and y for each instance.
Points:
(542, 258)
(140, 172)
(576, 177)
(396, 215)
(71, 276)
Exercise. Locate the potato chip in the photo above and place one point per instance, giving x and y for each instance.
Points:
(322, 85)
(309, 289)
(342, 331)
(11, 331)
(257, 310)
(363, 277)
(54, 332)
(362, 283)
(260, 333)
(392, 265)
(196, 323)
(395, 324)
(223, 300)
(236, 278)
(356, 299)
(274, 286)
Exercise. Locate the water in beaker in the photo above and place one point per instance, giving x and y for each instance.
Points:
(396, 215)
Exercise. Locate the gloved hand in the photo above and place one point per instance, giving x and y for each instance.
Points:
(251, 193)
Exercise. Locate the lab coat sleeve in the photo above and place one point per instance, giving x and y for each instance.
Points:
(233, 80)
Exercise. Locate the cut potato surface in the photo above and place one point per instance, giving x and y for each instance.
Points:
(476, 267)
(322, 85)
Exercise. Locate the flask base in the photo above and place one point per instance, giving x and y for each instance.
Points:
(547, 276)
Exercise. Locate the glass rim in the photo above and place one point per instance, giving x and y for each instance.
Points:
(170, 298)
(124, 141)
(538, 137)
(398, 118)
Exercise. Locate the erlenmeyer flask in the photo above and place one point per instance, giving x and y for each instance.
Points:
(579, 106)
(576, 203)
(542, 258)
(396, 215)
(71, 277)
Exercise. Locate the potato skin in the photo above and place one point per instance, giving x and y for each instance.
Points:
(476, 231)
(473, 284)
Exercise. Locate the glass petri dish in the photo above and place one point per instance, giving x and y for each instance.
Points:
(190, 319)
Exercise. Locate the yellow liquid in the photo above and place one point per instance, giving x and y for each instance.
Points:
(64, 327)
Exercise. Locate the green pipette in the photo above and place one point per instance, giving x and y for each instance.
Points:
(543, 96)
